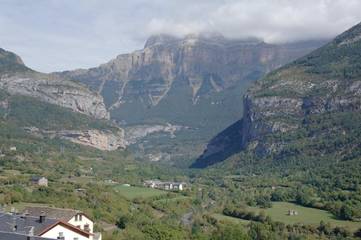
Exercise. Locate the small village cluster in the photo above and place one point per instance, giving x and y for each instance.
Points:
(46, 223)
(168, 186)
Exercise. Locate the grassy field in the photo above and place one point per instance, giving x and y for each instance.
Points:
(311, 216)
(79, 180)
(21, 206)
(138, 192)
(224, 218)
(174, 199)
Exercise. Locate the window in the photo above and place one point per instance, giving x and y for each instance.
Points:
(61, 236)
(76, 218)
(80, 217)
(86, 228)
(75, 238)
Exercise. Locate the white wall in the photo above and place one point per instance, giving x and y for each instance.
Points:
(67, 233)
(82, 223)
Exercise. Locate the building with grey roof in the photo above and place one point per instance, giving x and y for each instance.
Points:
(24, 224)
(18, 236)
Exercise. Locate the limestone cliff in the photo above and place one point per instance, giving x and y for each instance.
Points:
(309, 106)
(100, 139)
(192, 67)
(192, 81)
(16, 78)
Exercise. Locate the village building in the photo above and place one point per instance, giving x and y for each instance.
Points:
(47, 223)
(17, 226)
(168, 186)
(70, 216)
(40, 181)
(19, 236)
(292, 212)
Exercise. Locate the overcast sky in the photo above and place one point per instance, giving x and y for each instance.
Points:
(54, 35)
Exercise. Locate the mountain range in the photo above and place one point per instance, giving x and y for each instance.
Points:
(48, 106)
(305, 113)
(189, 83)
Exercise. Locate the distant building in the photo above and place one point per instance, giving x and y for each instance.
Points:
(179, 186)
(40, 181)
(292, 212)
(13, 148)
(175, 186)
(110, 181)
(152, 183)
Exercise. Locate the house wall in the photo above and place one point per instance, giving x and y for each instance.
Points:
(84, 221)
(67, 233)
(43, 182)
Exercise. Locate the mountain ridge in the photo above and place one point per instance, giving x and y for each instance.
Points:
(190, 82)
(283, 110)
(17, 78)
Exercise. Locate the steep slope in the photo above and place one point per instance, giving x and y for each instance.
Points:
(305, 113)
(33, 118)
(50, 107)
(174, 72)
(191, 82)
(16, 78)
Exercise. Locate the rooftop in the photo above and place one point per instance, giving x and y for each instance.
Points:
(62, 214)
(17, 236)
(22, 224)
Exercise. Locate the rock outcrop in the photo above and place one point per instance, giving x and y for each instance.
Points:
(135, 133)
(16, 78)
(198, 65)
(303, 102)
(102, 140)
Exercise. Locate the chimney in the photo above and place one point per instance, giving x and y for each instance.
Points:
(42, 217)
(31, 232)
(14, 224)
(25, 214)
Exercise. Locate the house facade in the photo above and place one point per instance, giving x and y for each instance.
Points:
(65, 231)
(67, 217)
(83, 222)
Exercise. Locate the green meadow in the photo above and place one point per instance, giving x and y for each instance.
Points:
(224, 218)
(311, 216)
(131, 192)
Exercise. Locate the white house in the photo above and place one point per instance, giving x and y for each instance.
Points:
(39, 227)
(71, 217)
(65, 231)
(83, 222)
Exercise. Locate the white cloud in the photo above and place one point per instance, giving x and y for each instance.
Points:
(58, 35)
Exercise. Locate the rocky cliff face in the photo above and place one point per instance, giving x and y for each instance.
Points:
(16, 78)
(326, 81)
(205, 64)
(100, 139)
(308, 101)
(191, 81)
